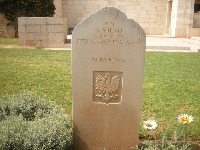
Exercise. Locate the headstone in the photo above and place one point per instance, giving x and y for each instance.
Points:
(107, 81)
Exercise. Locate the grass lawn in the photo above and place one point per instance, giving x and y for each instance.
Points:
(48, 73)
(171, 86)
(9, 41)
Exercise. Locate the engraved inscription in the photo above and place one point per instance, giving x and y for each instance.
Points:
(107, 87)
(109, 34)
(97, 59)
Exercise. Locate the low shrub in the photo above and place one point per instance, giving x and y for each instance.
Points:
(28, 122)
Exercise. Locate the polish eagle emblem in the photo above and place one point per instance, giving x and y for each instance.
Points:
(107, 87)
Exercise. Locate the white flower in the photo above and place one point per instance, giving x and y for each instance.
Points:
(184, 119)
(150, 124)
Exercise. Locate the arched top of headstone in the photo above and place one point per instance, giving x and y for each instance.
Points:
(109, 26)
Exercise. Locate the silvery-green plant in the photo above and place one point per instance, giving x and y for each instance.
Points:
(28, 122)
(166, 144)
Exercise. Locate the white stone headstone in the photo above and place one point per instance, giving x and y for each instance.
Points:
(108, 53)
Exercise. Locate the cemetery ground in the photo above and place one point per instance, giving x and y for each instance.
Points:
(171, 84)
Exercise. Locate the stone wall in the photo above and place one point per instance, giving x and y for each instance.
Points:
(182, 17)
(5, 29)
(151, 14)
(42, 31)
(196, 23)
(157, 17)
(193, 32)
(59, 7)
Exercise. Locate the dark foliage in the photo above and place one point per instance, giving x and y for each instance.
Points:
(12, 9)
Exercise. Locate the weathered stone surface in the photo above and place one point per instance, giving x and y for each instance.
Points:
(45, 32)
(5, 29)
(107, 81)
(33, 29)
(54, 21)
(55, 28)
(58, 5)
